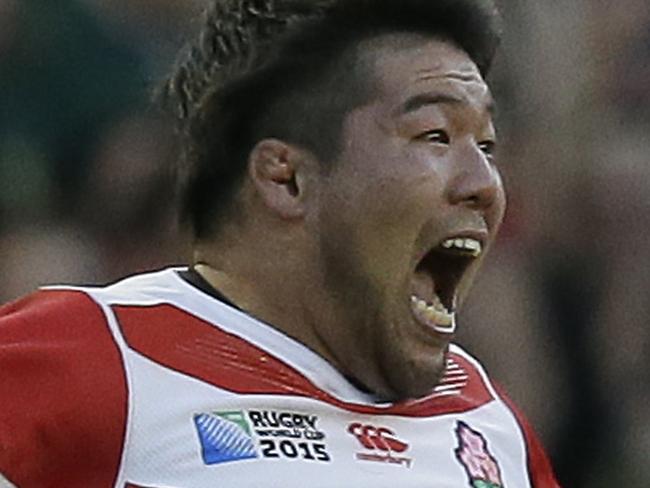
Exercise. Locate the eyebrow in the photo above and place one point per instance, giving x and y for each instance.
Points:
(416, 102)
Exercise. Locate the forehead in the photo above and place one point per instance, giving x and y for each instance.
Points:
(402, 66)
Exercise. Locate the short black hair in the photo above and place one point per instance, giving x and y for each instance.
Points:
(277, 68)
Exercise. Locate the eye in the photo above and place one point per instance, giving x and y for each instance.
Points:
(488, 148)
(436, 136)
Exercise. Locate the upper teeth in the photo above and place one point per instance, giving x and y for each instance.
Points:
(472, 246)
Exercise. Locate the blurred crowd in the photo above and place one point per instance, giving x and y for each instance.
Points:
(559, 316)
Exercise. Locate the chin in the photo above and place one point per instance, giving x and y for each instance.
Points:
(417, 375)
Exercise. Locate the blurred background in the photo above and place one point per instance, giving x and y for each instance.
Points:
(560, 318)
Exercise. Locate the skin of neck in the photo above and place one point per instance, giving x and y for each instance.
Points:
(267, 266)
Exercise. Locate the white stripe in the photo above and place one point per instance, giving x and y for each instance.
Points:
(120, 479)
(455, 374)
(209, 425)
(455, 378)
(445, 393)
(229, 437)
(453, 386)
(241, 446)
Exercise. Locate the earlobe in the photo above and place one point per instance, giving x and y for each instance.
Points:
(273, 168)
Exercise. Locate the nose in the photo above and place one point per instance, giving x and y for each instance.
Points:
(476, 182)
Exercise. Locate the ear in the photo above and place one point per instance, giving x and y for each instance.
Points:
(276, 169)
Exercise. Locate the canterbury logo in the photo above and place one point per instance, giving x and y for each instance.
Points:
(380, 438)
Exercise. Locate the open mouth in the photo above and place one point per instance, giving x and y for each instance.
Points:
(436, 279)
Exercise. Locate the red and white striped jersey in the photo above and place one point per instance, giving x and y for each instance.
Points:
(151, 382)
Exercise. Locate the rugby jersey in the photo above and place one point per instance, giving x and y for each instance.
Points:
(153, 383)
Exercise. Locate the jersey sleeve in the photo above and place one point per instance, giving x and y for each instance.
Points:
(63, 393)
(539, 466)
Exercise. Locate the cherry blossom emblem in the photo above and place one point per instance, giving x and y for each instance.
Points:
(473, 453)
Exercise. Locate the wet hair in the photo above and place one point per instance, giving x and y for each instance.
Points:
(287, 69)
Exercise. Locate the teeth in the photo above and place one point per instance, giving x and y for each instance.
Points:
(471, 246)
(435, 314)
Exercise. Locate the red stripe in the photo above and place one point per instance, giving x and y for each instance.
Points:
(63, 390)
(187, 344)
(539, 467)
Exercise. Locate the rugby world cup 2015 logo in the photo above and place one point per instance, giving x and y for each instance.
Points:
(225, 437)
(473, 453)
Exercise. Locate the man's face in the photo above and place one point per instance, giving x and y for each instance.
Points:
(407, 212)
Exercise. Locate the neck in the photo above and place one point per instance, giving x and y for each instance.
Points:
(282, 292)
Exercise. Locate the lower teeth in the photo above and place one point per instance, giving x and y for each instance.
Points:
(436, 314)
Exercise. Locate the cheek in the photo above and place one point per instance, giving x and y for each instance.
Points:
(405, 194)
(499, 208)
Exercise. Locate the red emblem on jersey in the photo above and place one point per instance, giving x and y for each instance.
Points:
(473, 453)
(382, 441)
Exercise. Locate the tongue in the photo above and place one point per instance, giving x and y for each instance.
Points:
(422, 286)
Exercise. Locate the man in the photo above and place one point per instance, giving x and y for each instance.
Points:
(340, 182)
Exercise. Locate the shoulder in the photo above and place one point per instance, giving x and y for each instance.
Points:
(68, 318)
(53, 312)
(54, 329)
(63, 385)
